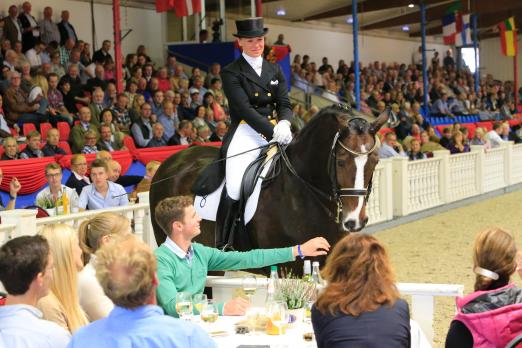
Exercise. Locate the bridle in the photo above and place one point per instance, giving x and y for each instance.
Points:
(337, 193)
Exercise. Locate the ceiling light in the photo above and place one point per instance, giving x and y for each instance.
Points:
(349, 20)
(405, 28)
(281, 12)
(411, 5)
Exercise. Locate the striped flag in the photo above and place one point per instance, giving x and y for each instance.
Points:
(185, 8)
(463, 35)
(449, 28)
(508, 37)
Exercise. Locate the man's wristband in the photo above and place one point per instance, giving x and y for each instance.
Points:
(11, 198)
(299, 252)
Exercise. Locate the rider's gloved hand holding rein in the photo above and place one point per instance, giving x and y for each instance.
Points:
(282, 132)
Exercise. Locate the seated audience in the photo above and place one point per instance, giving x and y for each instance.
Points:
(108, 141)
(158, 136)
(427, 144)
(121, 111)
(445, 140)
(480, 138)
(97, 106)
(351, 303)
(26, 270)
(494, 135)
(54, 192)
(89, 146)
(78, 180)
(220, 132)
(142, 129)
(178, 257)
(391, 147)
(183, 135)
(114, 174)
(32, 150)
(485, 318)
(169, 119)
(14, 187)
(203, 134)
(77, 135)
(94, 233)
(10, 149)
(415, 152)
(440, 107)
(20, 109)
(102, 193)
(458, 143)
(144, 184)
(126, 270)
(51, 147)
(62, 305)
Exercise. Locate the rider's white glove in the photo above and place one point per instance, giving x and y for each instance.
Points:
(282, 132)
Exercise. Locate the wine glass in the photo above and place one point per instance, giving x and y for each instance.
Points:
(198, 300)
(249, 284)
(278, 313)
(184, 305)
(209, 312)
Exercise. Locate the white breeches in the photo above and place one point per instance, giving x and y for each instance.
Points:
(245, 138)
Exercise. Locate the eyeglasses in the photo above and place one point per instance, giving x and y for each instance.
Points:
(54, 175)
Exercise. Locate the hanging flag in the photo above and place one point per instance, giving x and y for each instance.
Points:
(164, 5)
(463, 35)
(508, 37)
(449, 28)
(185, 8)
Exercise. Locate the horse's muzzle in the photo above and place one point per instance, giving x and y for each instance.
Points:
(353, 226)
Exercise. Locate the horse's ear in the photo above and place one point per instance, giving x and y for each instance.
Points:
(379, 122)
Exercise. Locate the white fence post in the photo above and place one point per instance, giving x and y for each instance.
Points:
(386, 188)
(24, 219)
(444, 174)
(148, 232)
(479, 149)
(401, 187)
(508, 163)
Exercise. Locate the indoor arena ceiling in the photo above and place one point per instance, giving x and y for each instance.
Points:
(394, 15)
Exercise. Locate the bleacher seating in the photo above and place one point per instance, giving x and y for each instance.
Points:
(28, 127)
(44, 128)
(64, 129)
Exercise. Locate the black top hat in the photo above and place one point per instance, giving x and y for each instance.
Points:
(250, 27)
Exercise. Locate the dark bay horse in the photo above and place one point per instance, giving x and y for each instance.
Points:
(322, 192)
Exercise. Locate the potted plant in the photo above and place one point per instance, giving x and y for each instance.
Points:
(47, 203)
(297, 293)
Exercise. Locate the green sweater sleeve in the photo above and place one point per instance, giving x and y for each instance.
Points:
(228, 261)
(166, 291)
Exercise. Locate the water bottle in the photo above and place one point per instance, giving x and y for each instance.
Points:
(273, 284)
(307, 271)
(316, 277)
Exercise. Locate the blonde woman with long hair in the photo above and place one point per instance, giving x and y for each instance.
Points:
(62, 305)
(94, 233)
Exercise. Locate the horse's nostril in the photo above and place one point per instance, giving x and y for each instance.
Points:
(349, 225)
(365, 221)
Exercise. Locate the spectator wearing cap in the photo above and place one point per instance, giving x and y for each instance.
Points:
(51, 147)
(32, 150)
(142, 129)
(195, 99)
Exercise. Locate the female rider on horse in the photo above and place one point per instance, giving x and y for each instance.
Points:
(258, 96)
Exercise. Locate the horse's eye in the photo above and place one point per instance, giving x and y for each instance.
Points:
(341, 163)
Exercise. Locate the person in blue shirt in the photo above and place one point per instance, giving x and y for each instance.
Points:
(26, 267)
(126, 269)
(102, 193)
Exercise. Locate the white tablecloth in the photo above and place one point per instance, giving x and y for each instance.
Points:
(292, 338)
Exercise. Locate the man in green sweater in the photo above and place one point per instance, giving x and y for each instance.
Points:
(183, 265)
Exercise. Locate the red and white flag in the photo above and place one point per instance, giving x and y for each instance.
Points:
(185, 8)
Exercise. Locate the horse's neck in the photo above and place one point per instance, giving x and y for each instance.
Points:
(309, 155)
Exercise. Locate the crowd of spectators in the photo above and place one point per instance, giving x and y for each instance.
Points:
(50, 75)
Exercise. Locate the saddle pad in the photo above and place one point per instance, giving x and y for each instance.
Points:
(207, 206)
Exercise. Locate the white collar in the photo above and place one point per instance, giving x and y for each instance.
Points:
(254, 62)
(84, 178)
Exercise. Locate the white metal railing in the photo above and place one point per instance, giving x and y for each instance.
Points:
(379, 207)
(422, 295)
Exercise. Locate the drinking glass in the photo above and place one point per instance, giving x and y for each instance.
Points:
(184, 305)
(209, 312)
(249, 284)
(198, 300)
(278, 313)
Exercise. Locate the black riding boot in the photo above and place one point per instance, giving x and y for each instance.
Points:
(226, 221)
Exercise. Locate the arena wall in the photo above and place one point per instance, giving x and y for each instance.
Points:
(493, 62)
